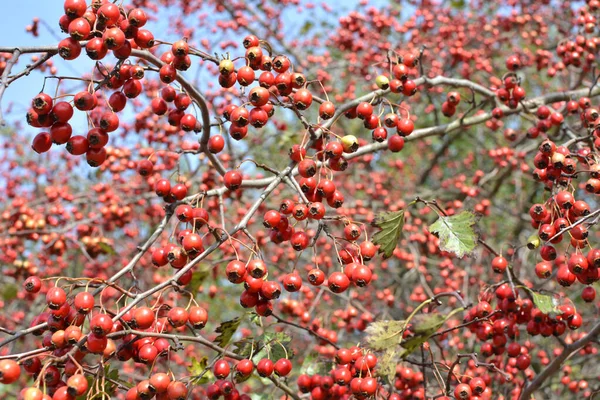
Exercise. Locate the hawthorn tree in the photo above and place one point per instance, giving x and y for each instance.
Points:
(279, 199)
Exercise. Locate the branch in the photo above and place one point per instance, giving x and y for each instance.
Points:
(555, 364)
(311, 332)
(4, 80)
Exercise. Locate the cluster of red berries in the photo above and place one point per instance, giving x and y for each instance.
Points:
(510, 93)
(65, 328)
(105, 28)
(554, 219)
(284, 83)
(243, 370)
(353, 375)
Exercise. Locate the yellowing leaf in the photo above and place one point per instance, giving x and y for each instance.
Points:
(427, 324)
(383, 335)
(456, 233)
(391, 224)
(107, 248)
(226, 331)
(413, 344)
(386, 365)
(199, 372)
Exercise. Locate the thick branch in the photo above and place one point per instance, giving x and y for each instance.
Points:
(555, 364)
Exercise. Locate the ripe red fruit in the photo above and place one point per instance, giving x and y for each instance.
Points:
(144, 38)
(283, 367)
(178, 191)
(108, 14)
(42, 104)
(338, 282)
(499, 264)
(588, 294)
(405, 127)
(33, 284)
(75, 8)
(543, 269)
(9, 371)
(145, 167)
(84, 302)
(96, 344)
(55, 298)
(147, 353)
(299, 240)
(221, 369)
(395, 143)
(232, 179)
(177, 316)
(292, 282)
(326, 110)
(316, 277)
(265, 367)
(79, 29)
(271, 218)
(177, 391)
(197, 317)
(523, 361)
(240, 116)
(162, 187)
(77, 385)
(143, 318)
(96, 49)
(101, 324)
(216, 144)
(463, 391)
(137, 17)
(235, 271)
(361, 275)
(258, 97)
(192, 244)
(244, 367)
(60, 132)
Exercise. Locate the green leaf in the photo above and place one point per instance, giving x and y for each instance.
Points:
(424, 326)
(412, 344)
(256, 319)
(226, 331)
(261, 396)
(9, 291)
(274, 346)
(198, 278)
(308, 25)
(245, 347)
(108, 387)
(456, 233)
(107, 248)
(386, 365)
(383, 335)
(427, 324)
(391, 224)
(199, 372)
(546, 304)
(458, 3)
(314, 365)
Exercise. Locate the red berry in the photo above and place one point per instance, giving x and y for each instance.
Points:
(55, 298)
(265, 367)
(9, 371)
(233, 179)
